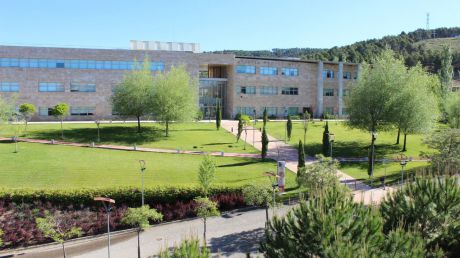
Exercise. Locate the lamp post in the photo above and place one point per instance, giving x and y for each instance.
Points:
(106, 202)
(403, 164)
(274, 184)
(142, 165)
(374, 137)
(285, 128)
(331, 137)
(245, 136)
(254, 128)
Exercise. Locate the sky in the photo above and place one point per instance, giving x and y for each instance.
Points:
(216, 24)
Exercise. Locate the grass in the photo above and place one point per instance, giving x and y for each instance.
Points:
(42, 166)
(437, 44)
(184, 136)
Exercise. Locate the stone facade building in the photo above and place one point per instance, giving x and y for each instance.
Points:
(84, 78)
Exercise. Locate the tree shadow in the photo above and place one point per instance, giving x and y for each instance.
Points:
(353, 149)
(218, 143)
(239, 164)
(242, 242)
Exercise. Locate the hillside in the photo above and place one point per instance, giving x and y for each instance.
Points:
(437, 43)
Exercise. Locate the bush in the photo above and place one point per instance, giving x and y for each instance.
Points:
(295, 117)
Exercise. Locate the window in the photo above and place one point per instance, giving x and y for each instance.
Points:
(245, 111)
(328, 92)
(45, 111)
(355, 75)
(82, 87)
(344, 112)
(290, 91)
(347, 75)
(328, 110)
(246, 69)
(345, 92)
(246, 90)
(268, 90)
(290, 72)
(268, 70)
(293, 111)
(82, 111)
(271, 111)
(50, 87)
(9, 87)
(328, 74)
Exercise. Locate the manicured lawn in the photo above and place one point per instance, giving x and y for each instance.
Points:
(348, 142)
(63, 167)
(184, 136)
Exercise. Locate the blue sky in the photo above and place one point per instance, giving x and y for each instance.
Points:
(216, 25)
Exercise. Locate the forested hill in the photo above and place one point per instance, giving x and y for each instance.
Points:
(411, 46)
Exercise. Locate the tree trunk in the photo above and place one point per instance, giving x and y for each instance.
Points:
(204, 231)
(399, 133)
(25, 129)
(63, 249)
(138, 124)
(138, 243)
(167, 128)
(404, 146)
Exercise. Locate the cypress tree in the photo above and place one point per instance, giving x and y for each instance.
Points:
(218, 116)
(240, 129)
(289, 127)
(301, 154)
(265, 117)
(326, 143)
(264, 143)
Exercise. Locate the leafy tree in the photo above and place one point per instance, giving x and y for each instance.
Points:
(453, 110)
(218, 116)
(175, 96)
(134, 96)
(59, 228)
(258, 195)
(431, 206)
(445, 73)
(240, 130)
(301, 154)
(6, 109)
(320, 174)
(265, 142)
(370, 107)
(446, 144)
(1, 234)
(189, 248)
(140, 218)
(61, 111)
(27, 110)
(206, 208)
(207, 173)
(326, 143)
(306, 117)
(289, 127)
(265, 116)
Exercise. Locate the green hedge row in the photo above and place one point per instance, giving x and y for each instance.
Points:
(122, 196)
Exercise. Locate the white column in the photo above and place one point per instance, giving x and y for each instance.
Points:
(340, 93)
(319, 90)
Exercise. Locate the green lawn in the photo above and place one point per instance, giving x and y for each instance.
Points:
(63, 167)
(348, 142)
(184, 136)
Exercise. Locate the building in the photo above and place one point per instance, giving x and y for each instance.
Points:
(84, 78)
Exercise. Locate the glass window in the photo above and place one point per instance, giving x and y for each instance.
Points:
(45, 111)
(355, 75)
(82, 111)
(328, 110)
(50, 87)
(268, 70)
(328, 92)
(156, 66)
(293, 111)
(245, 110)
(271, 111)
(246, 90)
(9, 87)
(246, 69)
(328, 74)
(347, 75)
(82, 87)
(290, 72)
(24, 63)
(290, 91)
(268, 90)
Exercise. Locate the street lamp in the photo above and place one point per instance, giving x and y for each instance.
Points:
(274, 184)
(374, 137)
(142, 165)
(106, 202)
(254, 128)
(403, 164)
(98, 124)
(331, 141)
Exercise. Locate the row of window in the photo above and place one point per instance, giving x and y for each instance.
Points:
(329, 74)
(9, 87)
(330, 92)
(271, 111)
(267, 90)
(74, 111)
(50, 87)
(267, 70)
(75, 64)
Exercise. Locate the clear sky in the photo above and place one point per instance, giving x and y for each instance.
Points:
(216, 24)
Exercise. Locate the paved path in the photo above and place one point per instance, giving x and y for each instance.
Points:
(232, 235)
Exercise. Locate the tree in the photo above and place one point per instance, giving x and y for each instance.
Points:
(59, 228)
(189, 248)
(140, 218)
(175, 96)
(289, 127)
(133, 96)
(306, 117)
(206, 208)
(318, 175)
(240, 129)
(446, 144)
(60, 111)
(326, 143)
(265, 116)
(258, 195)
(370, 106)
(207, 173)
(1, 241)
(218, 116)
(6, 109)
(265, 142)
(27, 110)
(301, 154)
(453, 110)
(445, 73)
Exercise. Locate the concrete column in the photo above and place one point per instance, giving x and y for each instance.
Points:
(340, 93)
(319, 90)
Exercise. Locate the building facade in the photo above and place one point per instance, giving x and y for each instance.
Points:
(85, 78)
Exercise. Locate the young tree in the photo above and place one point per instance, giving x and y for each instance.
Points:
(133, 96)
(371, 103)
(207, 174)
(306, 117)
(258, 195)
(240, 129)
(1, 241)
(445, 73)
(326, 143)
(265, 116)
(6, 109)
(301, 154)
(319, 175)
(453, 110)
(27, 110)
(218, 116)
(140, 218)
(175, 96)
(189, 248)
(265, 142)
(289, 127)
(61, 111)
(59, 228)
(206, 208)
(446, 144)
